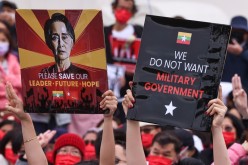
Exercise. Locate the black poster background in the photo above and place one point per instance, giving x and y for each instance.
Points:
(159, 40)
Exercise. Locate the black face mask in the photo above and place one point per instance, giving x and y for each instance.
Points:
(238, 36)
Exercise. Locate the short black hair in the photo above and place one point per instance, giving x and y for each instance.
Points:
(134, 9)
(15, 137)
(164, 138)
(57, 17)
(8, 4)
(9, 122)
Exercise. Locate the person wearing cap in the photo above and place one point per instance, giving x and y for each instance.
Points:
(237, 52)
(188, 149)
(68, 149)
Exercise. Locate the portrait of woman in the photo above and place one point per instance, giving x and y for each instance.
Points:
(60, 38)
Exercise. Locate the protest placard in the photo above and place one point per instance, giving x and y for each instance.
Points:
(63, 62)
(179, 69)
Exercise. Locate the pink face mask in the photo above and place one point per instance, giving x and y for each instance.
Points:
(122, 15)
(67, 159)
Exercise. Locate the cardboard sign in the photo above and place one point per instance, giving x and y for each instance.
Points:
(178, 71)
(63, 62)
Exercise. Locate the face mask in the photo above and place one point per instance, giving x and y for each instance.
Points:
(10, 155)
(122, 15)
(229, 137)
(67, 159)
(49, 156)
(12, 15)
(4, 47)
(147, 140)
(89, 152)
(1, 135)
(158, 160)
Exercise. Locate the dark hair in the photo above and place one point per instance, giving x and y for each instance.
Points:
(8, 4)
(191, 161)
(8, 36)
(164, 138)
(120, 139)
(15, 137)
(237, 124)
(88, 132)
(9, 122)
(57, 17)
(134, 9)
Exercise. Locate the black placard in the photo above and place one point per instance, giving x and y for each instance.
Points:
(178, 71)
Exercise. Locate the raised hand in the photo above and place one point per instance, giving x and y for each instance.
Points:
(218, 109)
(15, 105)
(128, 101)
(234, 48)
(109, 102)
(239, 96)
(45, 137)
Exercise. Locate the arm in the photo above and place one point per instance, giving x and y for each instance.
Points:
(135, 152)
(217, 109)
(34, 152)
(239, 96)
(107, 151)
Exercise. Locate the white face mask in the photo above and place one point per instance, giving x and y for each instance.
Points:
(4, 47)
(12, 15)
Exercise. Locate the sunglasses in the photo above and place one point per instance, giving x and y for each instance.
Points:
(89, 142)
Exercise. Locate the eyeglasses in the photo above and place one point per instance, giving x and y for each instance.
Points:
(89, 142)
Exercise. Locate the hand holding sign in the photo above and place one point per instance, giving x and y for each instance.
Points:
(218, 109)
(109, 102)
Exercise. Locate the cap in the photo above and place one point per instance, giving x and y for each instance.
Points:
(69, 139)
(185, 137)
(239, 22)
(142, 124)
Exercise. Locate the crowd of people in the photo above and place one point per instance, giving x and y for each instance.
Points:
(110, 139)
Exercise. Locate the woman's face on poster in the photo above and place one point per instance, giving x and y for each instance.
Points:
(61, 41)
